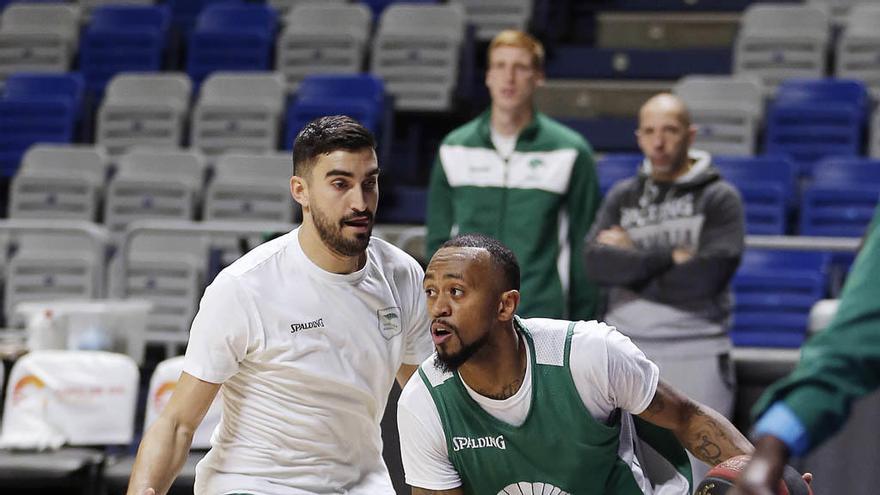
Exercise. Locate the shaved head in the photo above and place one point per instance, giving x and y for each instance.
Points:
(665, 135)
(669, 104)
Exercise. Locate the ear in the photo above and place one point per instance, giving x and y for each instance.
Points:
(540, 79)
(299, 189)
(507, 305)
(692, 135)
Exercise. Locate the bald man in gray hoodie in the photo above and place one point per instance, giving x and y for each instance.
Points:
(666, 243)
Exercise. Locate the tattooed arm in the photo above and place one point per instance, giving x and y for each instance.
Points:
(423, 491)
(708, 435)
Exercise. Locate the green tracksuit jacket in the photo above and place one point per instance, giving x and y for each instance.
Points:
(540, 202)
(842, 363)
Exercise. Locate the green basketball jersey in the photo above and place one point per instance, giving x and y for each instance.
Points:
(559, 449)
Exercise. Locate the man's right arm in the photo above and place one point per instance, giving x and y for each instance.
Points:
(705, 433)
(615, 266)
(165, 445)
(440, 215)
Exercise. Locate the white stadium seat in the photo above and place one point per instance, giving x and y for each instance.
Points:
(38, 37)
(492, 16)
(251, 187)
(416, 52)
(58, 181)
(55, 263)
(167, 268)
(323, 39)
(238, 112)
(726, 110)
(782, 41)
(154, 183)
(858, 47)
(143, 109)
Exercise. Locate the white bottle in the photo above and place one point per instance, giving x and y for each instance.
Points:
(43, 332)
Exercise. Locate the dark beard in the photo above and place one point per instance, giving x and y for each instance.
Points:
(332, 235)
(451, 362)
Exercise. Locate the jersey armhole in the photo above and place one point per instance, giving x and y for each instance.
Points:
(566, 356)
(438, 404)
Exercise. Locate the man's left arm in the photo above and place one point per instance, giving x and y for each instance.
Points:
(582, 203)
(705, 433)
(710, 268)
(405, 372)
(417, 344)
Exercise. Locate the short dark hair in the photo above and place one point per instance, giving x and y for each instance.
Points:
(501, 255)
(326, 135)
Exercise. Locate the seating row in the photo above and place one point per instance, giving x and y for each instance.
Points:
(782, 41)
(168, 264)
(233, 112)
(71, 182)
(806, 118)
(416, 48)
(62, 182)
(771, 41)
(838, 201)
(165, 263)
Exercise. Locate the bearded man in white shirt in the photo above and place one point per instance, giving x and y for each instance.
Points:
(306, 334)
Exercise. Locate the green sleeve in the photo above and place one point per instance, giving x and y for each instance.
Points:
(440, 213)
(842, 363)
(583, 201)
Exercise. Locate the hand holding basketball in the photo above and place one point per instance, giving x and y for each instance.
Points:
(742, 475)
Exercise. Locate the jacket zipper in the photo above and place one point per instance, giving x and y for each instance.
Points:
(503, 208)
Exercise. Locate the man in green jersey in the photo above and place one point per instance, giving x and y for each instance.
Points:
(510, 405)
(523, 178)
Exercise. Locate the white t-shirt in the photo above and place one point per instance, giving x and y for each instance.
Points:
(504, 145)
(307, 359)
(609, 372)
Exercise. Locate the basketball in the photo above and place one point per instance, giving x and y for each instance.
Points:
(721, 479)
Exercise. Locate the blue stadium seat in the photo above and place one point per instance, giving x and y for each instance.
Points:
(768, 187)
(404, 204)
(614, 167)
(609, 134)
(773, 293)
(813, 118)
(123, 38)
(231, 37)
(377, 6)
(586, 62)
(37, 108)
(185, 12)
(360, 96)
(842, 197)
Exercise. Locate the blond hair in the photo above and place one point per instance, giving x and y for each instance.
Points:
(520, 39)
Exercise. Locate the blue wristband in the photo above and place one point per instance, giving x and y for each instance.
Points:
(781, 422)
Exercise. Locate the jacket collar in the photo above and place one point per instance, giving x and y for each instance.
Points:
(484, 127)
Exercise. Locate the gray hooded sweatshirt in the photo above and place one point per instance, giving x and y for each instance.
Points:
(650, 298)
